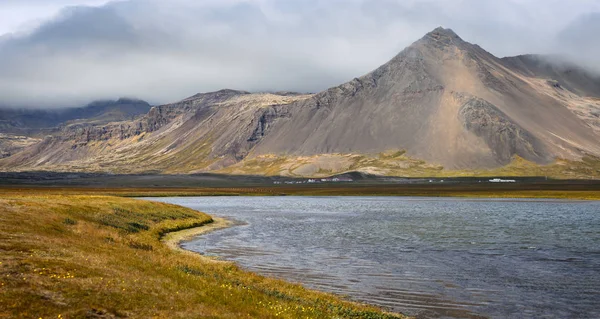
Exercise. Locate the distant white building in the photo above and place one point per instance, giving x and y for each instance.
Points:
(498, 180)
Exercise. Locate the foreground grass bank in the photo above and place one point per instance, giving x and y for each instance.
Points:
(87, 256)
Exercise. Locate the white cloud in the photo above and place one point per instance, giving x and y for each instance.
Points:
(166, 50)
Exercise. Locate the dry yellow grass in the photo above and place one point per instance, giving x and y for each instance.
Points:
(86, 256)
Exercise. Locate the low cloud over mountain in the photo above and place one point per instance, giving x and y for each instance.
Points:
(163, 50)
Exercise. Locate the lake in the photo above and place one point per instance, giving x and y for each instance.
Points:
(431, 257)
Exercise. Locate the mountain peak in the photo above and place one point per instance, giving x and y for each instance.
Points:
(442, 36)
(441, 31)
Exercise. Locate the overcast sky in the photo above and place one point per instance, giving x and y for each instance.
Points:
(69, 52)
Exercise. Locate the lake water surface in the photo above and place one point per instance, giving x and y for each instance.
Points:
(431, 257)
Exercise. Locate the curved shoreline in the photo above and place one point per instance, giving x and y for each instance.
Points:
(174, 240)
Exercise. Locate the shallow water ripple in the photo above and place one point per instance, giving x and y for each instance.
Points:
(431, 257)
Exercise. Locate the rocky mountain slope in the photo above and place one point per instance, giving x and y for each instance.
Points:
(572, 77)
(203, 132)
(20, 128)
(441, 106)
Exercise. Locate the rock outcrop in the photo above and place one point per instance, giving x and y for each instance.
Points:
(504, 137)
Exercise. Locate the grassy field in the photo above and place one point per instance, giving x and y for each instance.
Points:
(582, 190)
(89, 256)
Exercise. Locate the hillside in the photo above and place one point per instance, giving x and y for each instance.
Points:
(441, 107)
(206, 131)
(20, 128)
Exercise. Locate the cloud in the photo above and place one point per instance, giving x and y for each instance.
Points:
(579, 40)
(163, 51)
(20, 15)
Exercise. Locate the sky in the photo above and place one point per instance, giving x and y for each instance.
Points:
(58, 53)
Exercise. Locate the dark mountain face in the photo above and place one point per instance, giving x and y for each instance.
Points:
(440, 103)
(99, 112)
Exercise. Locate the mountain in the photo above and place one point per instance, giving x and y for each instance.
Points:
(444, 101)
(205, 131)
(442, 106)
(21, 128)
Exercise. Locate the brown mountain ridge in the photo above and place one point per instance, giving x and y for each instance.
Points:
(442, 106)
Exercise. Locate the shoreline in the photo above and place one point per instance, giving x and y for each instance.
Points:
(113, 257)
(173, 240)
